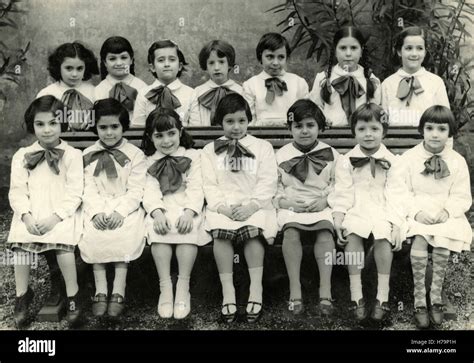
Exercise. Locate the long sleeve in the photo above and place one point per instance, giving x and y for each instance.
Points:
(384, 90)
(303, 88)
(214, 196)
(194, 192)
(396, 193)
(19, 194)
(441, 96)
(266, 185)
(315, 94)
(250, 97)
(130, 202)
(280, 193)
(152, 197)
(460, 198)
(194, 118)
(377, 99)
(139, 111)
(342, 198)
(72, 198)
(93, 203)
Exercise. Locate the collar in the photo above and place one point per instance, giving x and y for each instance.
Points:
(113, 81)
(427, 154)
(118, 146)
(173, 86)
(418, 73)
(243, 140)
(337, 71)
(36, 146)
(159, 155)
(381, 152)
(229, 83)
(264, 75)
(65, 87)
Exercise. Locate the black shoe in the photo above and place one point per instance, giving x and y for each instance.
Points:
(73, 309)
(359, 310)
(116, 305)
(380, 310)
(422, 318)
(228, 317)
(21, 308)
(437, 313)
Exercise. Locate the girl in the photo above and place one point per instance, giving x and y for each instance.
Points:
(239, 179)
(305, 178)
(117, 68)
(46, 186)
(439, 194)
(70, 65)
(166, 64)
(343, 87)
(173, 200)
(274, 90)
(365, 204)
(217, 58)
(407, 93)
(114, 177)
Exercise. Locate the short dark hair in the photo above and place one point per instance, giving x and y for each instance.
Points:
(115, 45)
(305, 108)
(368, 112)
(110, 107)
(72, 50)
(222, 48)
(44, 104)
(163, 119)
(438, 114)
(272, 41)
(231, 103)
(400, 38)
(166, 44)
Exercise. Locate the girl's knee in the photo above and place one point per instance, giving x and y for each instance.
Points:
(419, 243)
(325, 237)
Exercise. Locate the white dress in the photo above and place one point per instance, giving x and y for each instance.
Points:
(42, 193)
(57, 90)
(371, 205)
(143, 107)
(275, 114)
(123, 195)
(256, 182)
(190, 195)
(200, 115)
(431, 195)
(334, 113)
(315, 186)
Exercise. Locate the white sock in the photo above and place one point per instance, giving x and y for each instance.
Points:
(356, 287)
(256, 288)
(120, 280)
(383, 287)
(22, 275)
(182, 288)
(228, 290)
(100, 279)
(166, 291)
(67, 265)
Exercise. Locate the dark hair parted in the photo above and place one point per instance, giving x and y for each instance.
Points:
(45, 104)
(222, 48)
(400, 39)
(272, 41)
(232, 103)
(438, 114)
(305, 108)
(115, 45)
(110, 107)
(72, 50)
(368, 112)
(344, 32)
(160, 120)
(166, 44)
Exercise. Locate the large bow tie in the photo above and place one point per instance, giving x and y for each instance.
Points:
(359, 162)
(299, 165)
(349, 90)
(168, 171)
(211, 99)
(162, 97)
(76, 101)
(235, 152)
(437, 166)
(275, 87)
(105, 161)
(407, 87)
(52, 157)
(125, 94)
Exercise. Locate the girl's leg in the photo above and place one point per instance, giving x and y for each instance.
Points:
(186, 255)
(162, 254)
(24, 295)
(293, 253)
(22, 275)
(355, 248)
(419, 261)
(67, 264)
(383, 256)
(120, 279)
(254, 253)
(100, 278)
(224, 256)
(324, 245)
(440, 261)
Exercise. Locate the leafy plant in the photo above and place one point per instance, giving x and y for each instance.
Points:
(313, 23)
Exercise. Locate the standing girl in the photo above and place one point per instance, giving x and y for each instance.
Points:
(46, 186)
(166, 64)
(114, 176)
(407, 93)
(364, 202)
(240, 179)
(217, 58)
(173, 200)
(343, 87)
(305, 179)
(70, 65)
(439, 196)
(117, 69)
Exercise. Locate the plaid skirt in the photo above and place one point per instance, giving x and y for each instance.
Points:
(238, 236)
(36, 247)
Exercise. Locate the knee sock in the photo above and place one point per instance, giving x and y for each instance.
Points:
(100, 278)
(67, 264)
(419, 261)
(256, 288)
(120, 280)
(22, 275)
(356, 287)
(166, 291)
(182, 288)
(383, 287)
(440, 261)
(228, 290)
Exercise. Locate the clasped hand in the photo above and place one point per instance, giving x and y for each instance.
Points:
(239, 212)
(102, 221)
(41, 226)
(425, 218)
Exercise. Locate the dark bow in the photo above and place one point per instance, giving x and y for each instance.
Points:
(349, 90)
(407, 87)
(299, 165)
(125, 94)
(168, 171)
(52, 157)
(437, 166)
(235, 152)
(360, 162)
(211, 99)
(162, 97)
(275, 87)
(105, 161)
(76, 101)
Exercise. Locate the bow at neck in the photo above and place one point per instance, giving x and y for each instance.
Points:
(235, 152)
(407, 87)
(275, 87)
(437, 166)
(358, 162)
(52, 157)
(105, 161)
(163, 97)
(168, 171)
(299, 165)
(349, 90)
(211, 98)
(125, 94)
